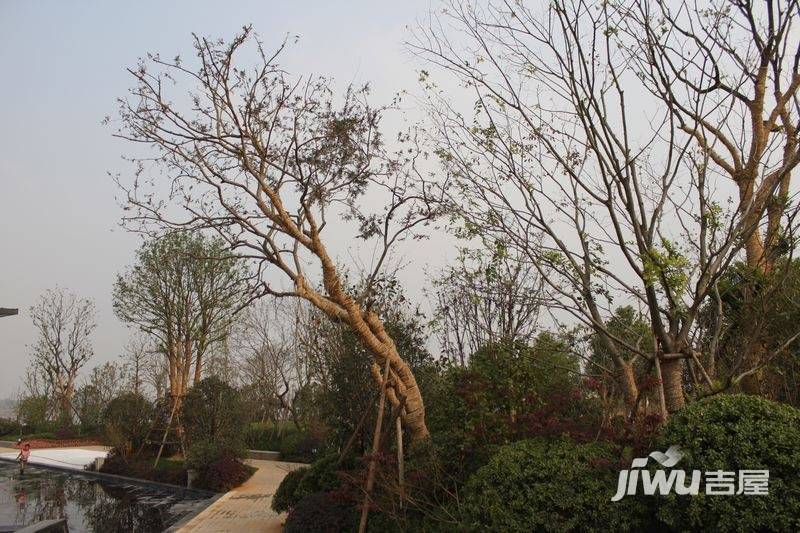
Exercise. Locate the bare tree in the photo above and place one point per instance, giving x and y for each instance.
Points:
(729, 74)
(265, 160)
(102, 384)
(481, 301)
(64, 324)
(274, 362)
(629, 200)
(135, 356)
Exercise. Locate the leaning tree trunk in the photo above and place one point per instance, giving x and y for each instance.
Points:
(369, 329)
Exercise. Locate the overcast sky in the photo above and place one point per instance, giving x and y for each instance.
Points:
(63, 65)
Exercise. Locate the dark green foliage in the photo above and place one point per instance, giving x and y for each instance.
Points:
(126, 421)
(215, 420)
(224, 473)
(9, 427)
(506, 393)
(295, 446)
(212, 412)
(33, 413)
(759, 314)
(67, 432)
(300, 448)
(730, 433)
(322, 512)
(322, 476)
(265, 436)
(548, 485)
(168, 471)
(285, 497)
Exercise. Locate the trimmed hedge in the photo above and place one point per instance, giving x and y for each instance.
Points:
(731, 433)
(548, 485)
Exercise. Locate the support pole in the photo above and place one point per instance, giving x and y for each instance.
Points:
(400, 466)
(373, 464)
(166, 432)
(662, 400)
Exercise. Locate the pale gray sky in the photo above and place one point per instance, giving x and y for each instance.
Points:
(63, 65)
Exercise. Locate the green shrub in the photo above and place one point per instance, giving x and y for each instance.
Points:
(9, 426)
(548, 485)
(286, 496)
(262, 436)
(322, 476)
(321, 512)
(224, 473)
(168, 471)
(298, 447)
(203, 453)
(730, 433)
(213, 412)
(218, 467)
(126, 421)
(33, 413)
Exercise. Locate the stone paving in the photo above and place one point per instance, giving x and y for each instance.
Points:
(246, 508)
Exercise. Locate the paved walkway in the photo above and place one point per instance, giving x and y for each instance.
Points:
(246, 508)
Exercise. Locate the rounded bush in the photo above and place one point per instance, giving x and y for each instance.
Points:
(126, 421)
(286, 496)
(548, 485)
(321, 476)
(321, 512)
(731, 433)
(225, 473)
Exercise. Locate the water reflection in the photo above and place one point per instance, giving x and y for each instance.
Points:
(89, 504)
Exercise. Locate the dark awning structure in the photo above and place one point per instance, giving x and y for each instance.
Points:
(8, 312)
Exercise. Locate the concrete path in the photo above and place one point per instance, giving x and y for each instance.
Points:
(246, 508)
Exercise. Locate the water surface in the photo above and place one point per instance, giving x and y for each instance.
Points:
(90, 504)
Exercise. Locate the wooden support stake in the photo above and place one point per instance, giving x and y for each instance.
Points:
(400, 467)
(662, 400)
(352, 439)
(373, 464)
(166, 432)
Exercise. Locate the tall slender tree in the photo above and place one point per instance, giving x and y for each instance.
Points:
(183, 290)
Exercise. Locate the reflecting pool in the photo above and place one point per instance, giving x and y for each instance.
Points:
(89, 503)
